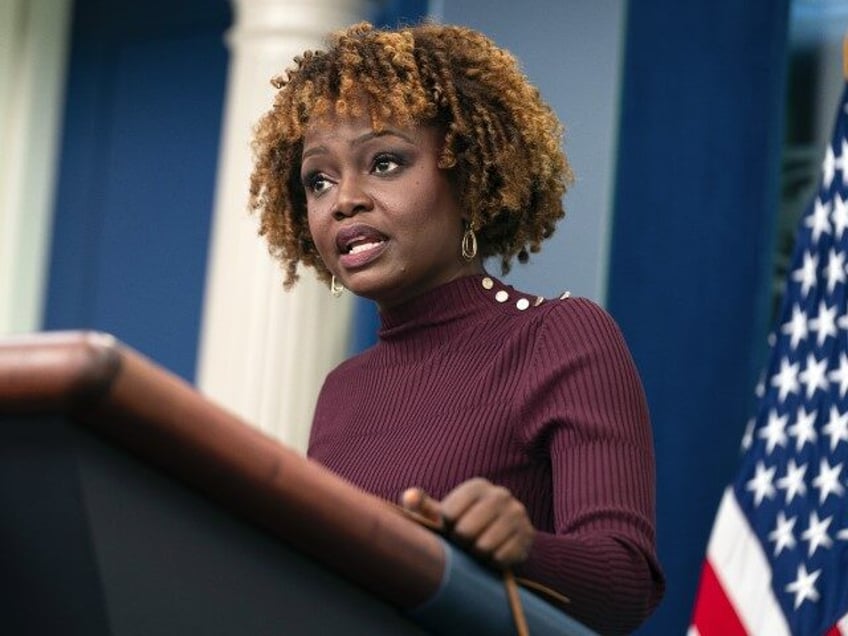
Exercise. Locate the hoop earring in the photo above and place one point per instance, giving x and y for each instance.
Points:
(336, 289)
(469, 244)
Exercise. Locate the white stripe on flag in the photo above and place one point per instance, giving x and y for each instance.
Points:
(693, 631)
(742, 569)
(843, 625)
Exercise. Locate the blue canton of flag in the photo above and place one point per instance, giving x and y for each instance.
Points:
(793, 481)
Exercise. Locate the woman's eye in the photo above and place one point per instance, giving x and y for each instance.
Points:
(385, 164)
(316, 183)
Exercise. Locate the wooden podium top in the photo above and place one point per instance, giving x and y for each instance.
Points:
(109, 388)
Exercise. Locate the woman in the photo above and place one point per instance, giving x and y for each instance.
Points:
(393, 163)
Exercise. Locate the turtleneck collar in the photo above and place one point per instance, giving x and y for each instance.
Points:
(442, 306)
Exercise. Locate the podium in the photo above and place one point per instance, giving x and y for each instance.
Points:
(131, 505)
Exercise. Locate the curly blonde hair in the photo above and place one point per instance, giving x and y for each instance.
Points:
(502, 142)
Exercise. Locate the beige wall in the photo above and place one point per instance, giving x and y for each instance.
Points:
(33, 53)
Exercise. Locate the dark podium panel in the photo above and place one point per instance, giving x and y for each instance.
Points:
(132, 505)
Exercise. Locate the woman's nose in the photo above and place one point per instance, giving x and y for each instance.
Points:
(351, 198)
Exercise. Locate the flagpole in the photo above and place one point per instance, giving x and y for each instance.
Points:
(845, 56)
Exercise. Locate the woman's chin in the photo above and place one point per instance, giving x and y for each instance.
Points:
(382, 293)
(365, 288)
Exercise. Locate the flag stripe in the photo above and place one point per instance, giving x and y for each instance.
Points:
(741, 568)
(714, 613)
(841, 627)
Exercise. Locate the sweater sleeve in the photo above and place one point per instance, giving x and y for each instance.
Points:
(584, 406)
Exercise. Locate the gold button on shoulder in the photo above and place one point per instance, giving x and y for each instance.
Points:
(539, 300)
(502, 296)
(565, 295)
(488, 283)
(522, 304)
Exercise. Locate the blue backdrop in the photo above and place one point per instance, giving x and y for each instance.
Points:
(690, 274)
(137, 173)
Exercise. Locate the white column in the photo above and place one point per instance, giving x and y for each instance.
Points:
(33, 53)
(264, 352)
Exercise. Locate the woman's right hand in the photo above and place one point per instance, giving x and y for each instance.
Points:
(481, 517)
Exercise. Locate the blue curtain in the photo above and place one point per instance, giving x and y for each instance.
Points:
(145, 94)
(696, 199)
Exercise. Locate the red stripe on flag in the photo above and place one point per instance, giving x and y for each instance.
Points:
(714, 614)
(834, 631)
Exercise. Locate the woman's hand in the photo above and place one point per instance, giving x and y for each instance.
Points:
(481, 517)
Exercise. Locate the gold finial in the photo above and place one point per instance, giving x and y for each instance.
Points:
(845, 56)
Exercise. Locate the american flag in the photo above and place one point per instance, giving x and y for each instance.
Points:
(777, 559)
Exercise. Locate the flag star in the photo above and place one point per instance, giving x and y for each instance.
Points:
(840, 375)
(842, 534)
(828, 167)
(806, 274)
(761, 484)
(774, 432)
(786, 380)
(818, 221)
(827, 481)
(839, 216)
(796, 328)
(834, 270)
(793, 481)
(804, 586)
(748, 437)
(814, 375)
(782, 534)
(760, 389)
(824, 324)
(816, 533)
(836, 427)
(803, 430)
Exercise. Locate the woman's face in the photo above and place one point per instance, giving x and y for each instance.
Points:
(384, 217)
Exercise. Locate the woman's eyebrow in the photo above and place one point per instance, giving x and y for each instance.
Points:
(314, 150)
(373, 134)
(361, 139)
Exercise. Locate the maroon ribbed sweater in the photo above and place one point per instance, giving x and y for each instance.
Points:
(545, 401)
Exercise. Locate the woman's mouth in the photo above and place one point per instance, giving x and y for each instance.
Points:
(362, 247)
(359, 244)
